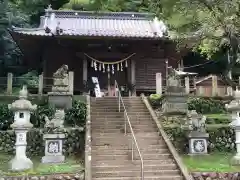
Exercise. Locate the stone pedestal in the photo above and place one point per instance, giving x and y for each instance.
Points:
(20, 162)
(198, 143)
(61, 100)
(175, 101)
(236, 125)
(53, 148)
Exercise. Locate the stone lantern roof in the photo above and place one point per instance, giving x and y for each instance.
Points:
(22, 103)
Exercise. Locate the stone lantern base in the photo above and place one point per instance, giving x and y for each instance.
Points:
(53, 148)
(235, 161)
(198, 143)
(20, 164)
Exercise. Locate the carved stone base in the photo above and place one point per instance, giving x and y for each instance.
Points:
(53, 148)
(21, 164)
(60, 100)
(53, 159)
(198, 143)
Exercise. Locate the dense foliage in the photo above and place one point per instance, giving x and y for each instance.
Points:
(206, 105)
(74, 117)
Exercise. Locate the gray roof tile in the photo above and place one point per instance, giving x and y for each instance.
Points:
(83, 23)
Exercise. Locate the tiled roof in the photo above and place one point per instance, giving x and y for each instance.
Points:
(101, 24)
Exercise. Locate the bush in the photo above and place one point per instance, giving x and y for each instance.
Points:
(73, 143)
(74, 117)
(206, 105)
(155, 100)
(220, 138)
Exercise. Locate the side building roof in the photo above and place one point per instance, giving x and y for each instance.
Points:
(97, 24)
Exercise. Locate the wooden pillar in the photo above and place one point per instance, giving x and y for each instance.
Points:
(214, 86)
(85, 69)
(40, 85)
(200, 91)
(159, 83)
(133, 76)
(9, 83)
(187, 85)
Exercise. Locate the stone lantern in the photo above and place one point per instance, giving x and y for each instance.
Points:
(234, 108)
(22, 109)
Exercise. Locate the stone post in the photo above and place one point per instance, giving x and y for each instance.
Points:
(187, 85)
(22, 109)
(214, 86)
(71, 81)
(229, 91)
(40, 85)
(9, 83)
(234, 108)
(159, 83)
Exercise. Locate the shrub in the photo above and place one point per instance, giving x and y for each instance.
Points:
(74, 117)
(206, 106)
(155, 100)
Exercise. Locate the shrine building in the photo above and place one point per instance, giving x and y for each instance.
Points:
(125, 46)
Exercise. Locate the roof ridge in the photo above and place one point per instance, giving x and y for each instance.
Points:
(100, 14)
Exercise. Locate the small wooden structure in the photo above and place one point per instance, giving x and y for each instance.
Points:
(212, 85)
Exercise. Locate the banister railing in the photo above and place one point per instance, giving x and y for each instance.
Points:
(127, 122)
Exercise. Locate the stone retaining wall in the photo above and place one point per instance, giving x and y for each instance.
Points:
(215, 176)
(79, 176)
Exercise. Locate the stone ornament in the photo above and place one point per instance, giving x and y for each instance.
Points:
(197, 136)
(57, 121)
(234, 108)
(22, 109)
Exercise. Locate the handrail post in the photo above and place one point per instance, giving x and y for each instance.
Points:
(125, 123)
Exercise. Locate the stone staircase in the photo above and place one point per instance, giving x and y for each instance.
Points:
(111, 149)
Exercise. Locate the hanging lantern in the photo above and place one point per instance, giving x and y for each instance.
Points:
(100, 67)
(108, 68)
(121, 66)
(92, 63)
(126, 63)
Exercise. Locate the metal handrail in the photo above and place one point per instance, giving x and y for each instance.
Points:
(127, 120)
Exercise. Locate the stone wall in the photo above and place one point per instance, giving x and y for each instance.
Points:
(78, 176)
(216, 176)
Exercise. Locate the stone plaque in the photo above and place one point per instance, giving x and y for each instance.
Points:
(53, 147)
(198, 146)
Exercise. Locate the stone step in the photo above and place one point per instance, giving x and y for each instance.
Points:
(126, 152)
(163, 156)
(177, 177)
(103, 114)
(136, 130)
(119, 121)
(135, 162)
(137, 135)
(127, 147)
(106, 167)
(121, 126)
(132, 173)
